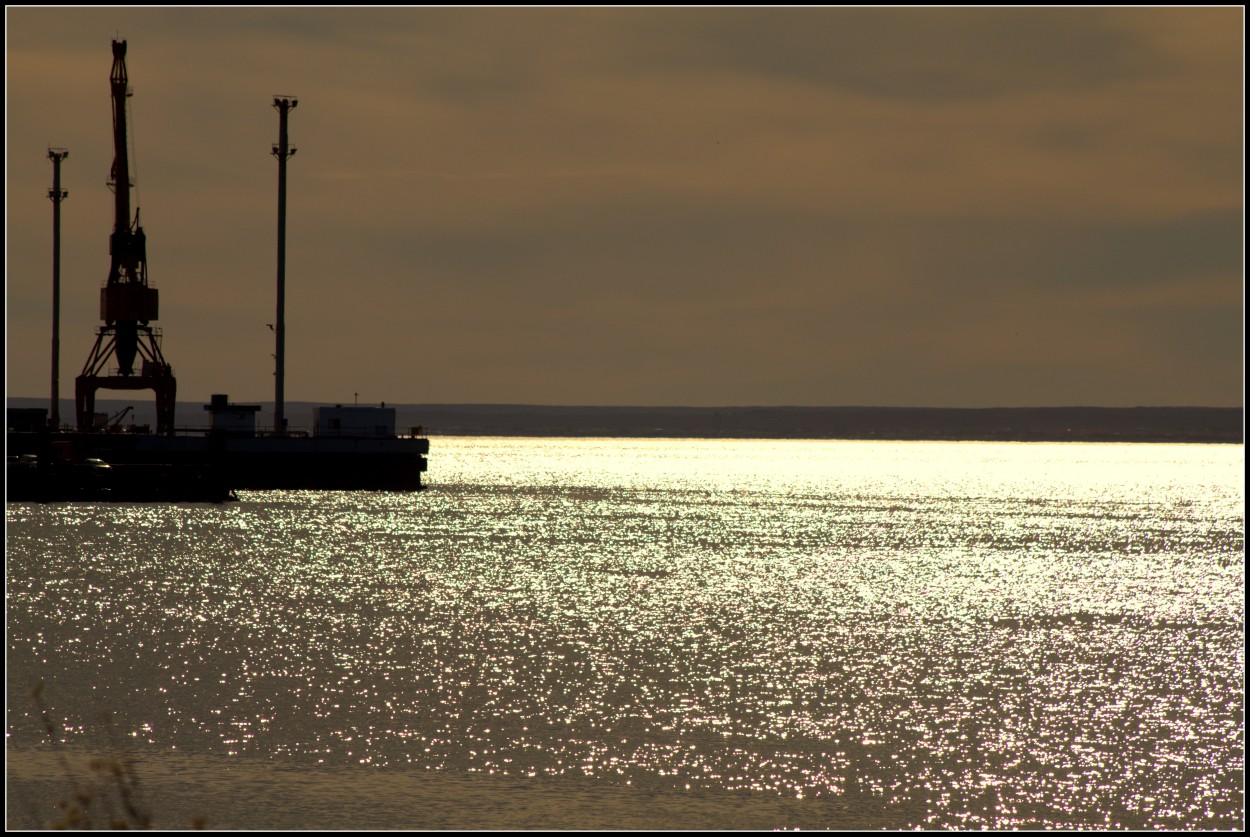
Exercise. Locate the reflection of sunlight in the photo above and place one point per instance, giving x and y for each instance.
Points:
(963, 634)
(1183, 473)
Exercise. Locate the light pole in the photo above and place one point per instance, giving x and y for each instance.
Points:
(56, 155)
(283, 152)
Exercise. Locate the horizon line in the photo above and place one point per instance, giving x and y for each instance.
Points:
(539, 405)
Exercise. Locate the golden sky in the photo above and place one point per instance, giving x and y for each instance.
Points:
(705, 207)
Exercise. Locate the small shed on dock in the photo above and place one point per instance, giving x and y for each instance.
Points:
(232, 419)
(375, 422)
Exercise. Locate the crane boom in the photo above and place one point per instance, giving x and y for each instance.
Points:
(119, 177)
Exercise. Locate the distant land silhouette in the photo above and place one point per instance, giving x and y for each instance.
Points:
(1015, 424)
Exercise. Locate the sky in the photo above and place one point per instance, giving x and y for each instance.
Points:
(955, 207)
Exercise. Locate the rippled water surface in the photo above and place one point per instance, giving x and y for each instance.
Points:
(611, 633)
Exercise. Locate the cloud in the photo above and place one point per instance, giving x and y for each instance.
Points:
(917, 55)
(706, 206)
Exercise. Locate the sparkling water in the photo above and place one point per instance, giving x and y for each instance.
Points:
(604, 633)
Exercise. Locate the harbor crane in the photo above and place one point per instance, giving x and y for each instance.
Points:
(128, 304)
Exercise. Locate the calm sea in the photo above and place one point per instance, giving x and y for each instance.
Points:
(608, 633)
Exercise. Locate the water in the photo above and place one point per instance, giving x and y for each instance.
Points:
(586, 633)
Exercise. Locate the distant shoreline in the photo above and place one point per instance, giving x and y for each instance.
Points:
(1220, 425)
(1149, 424)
